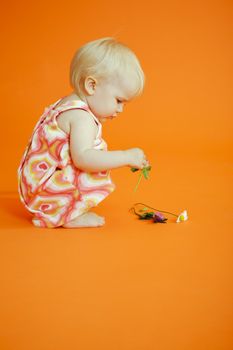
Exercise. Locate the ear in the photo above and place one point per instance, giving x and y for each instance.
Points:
(90, 84)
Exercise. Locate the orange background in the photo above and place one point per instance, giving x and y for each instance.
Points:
(129, 285)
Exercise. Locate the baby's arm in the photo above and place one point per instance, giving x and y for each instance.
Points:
(85, 157)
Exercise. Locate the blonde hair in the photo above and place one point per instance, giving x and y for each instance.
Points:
(101, 58)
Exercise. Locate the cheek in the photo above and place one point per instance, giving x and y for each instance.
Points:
(105, 103)
(109, 103)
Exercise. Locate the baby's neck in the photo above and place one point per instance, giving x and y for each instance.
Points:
(73, 97)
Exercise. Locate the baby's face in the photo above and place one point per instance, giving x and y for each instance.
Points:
(110, 97)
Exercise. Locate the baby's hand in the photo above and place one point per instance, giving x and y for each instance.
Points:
(136, 158)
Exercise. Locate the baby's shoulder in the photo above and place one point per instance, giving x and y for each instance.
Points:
(73, 117)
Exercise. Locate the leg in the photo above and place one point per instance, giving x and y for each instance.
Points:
(86, 220)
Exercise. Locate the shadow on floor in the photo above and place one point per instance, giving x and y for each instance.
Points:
(12, 213)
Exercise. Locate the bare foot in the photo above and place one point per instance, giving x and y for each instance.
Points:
(86, 220)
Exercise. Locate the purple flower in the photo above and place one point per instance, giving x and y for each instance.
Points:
(158, 217)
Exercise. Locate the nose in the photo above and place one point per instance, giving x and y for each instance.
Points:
(120, 108)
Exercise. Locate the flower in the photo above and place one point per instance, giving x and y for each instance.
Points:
(145, 213)
(183, 216)
(158, 217)
(144, 172)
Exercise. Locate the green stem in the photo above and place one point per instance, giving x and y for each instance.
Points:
(162, 211)
(135, 212)
(139, 180)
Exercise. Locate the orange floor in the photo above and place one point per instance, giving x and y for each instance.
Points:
(130, 285)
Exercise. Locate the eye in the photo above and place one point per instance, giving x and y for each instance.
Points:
(118, 101)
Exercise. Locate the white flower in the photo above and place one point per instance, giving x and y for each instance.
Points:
(183, 216)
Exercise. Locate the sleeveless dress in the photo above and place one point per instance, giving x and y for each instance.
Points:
(49, 184)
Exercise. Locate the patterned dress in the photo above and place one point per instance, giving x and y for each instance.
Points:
(50, 186)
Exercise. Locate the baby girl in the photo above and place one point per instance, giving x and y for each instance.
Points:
(65, 169)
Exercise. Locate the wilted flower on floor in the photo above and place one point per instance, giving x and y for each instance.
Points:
(183, 216)
(145, 213)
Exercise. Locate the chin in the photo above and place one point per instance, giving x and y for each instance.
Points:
(104, 119)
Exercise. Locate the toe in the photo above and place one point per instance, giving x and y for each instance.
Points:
(102, 221)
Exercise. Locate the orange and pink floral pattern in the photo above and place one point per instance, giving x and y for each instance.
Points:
(50, 186)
